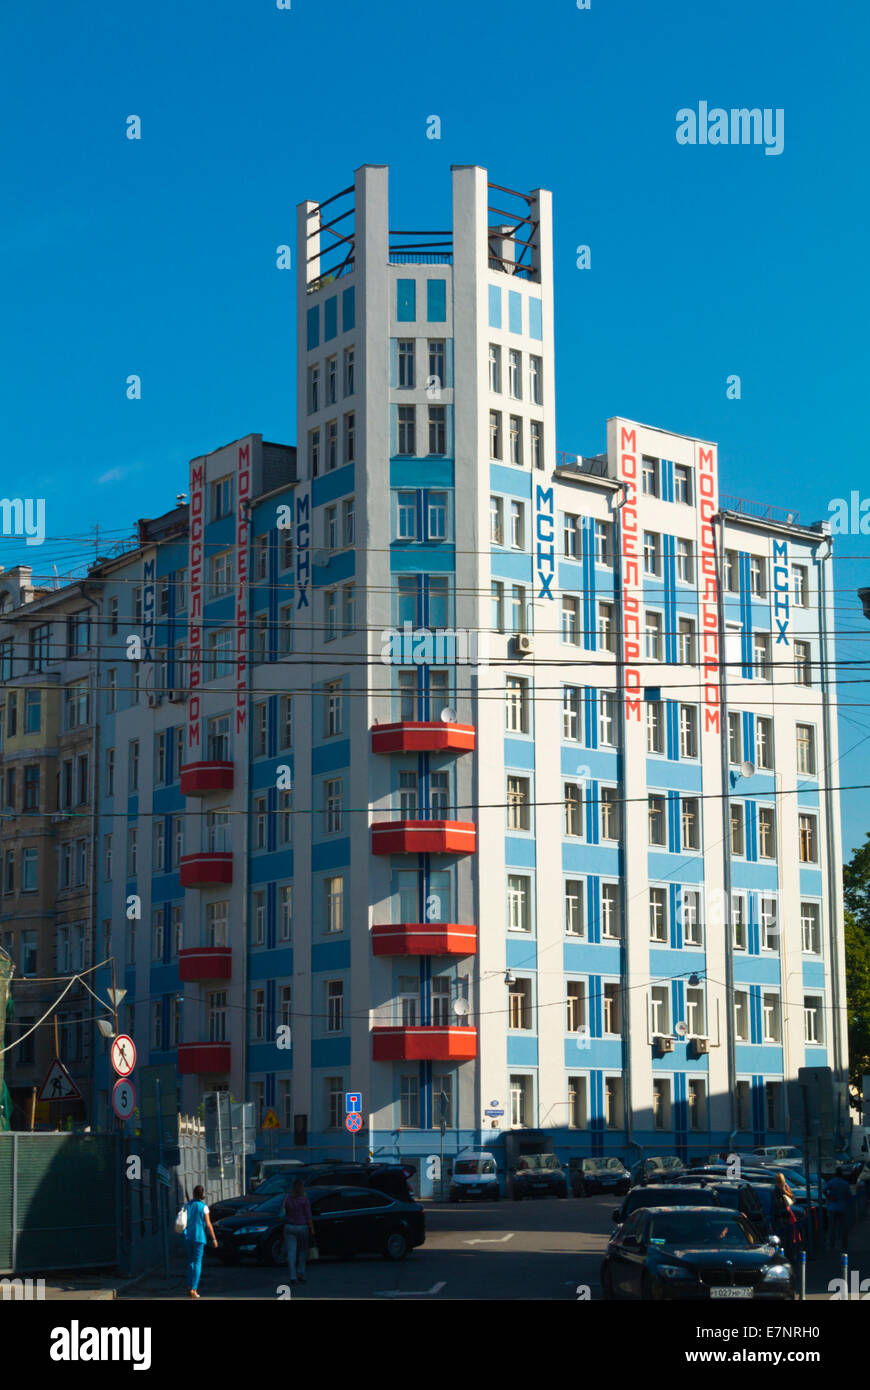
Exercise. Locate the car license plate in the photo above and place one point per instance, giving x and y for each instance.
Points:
(728, 1291)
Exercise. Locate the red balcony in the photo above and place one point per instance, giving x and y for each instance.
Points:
(424, 939)
(432, 737)
(197, 779)
(206, 870)
(424, 837)
(205, 963)
(197, 1058)
(430, 1043)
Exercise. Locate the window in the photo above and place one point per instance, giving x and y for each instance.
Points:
(158, 846)
(735, 738)
(653, 629)
(805, 736)
(520, 1004)
(655, 727)
(732, 572)
(107, 857)
(436, 363)
(515, 439)
(658, 914)
(610, 926)
(332, 805)
(285, 912)
(110, 772)
(695, 1011)
(603, 543)
(688, 731)
(334, 1087)
(610, 818)
(612, 1009)
(217, 830)
(739, 920)
(39, 647)
(332, 708)
(285, 722)
(800, 586)
(614, 1110)
(685, 561)
(515, 374)
(771, 1018)
(696, 1097)
(660, 1011)
(536, 440)
(517, 705)
(409, 1101)
(495, 447)
(536, 372)
(657, 821)
(220, 652)
(741, 1015)
(222, 574)
(519, 902)
(496, 521)
(811, 928)
(690, 822)
(571, 536)
(495, 368)
(761, 655)
(314, 389)
(518, 803)
(157, 934)
(693, 931)
(331, 379)
(652, 553)
(650, 477)
(662, 1104)
(436, 516)
(31, 787)
(334, 1006)
(683, 489)
(573, 802)
(686, 647)
(32, 711)
(571, 621)
(334, 891)
(75, 704)
(133, 765)
(769, 924)
(217, 1015)
(808, 838)
(406, 363)
(766, 832)
(314, 452)
(571, 706)
(606, 627)
(607, 731)
(744, 1105)
(407, 443)
(803, 663)
(576, 1019)
(738, 828)
(757, 576)
(29, 869)
(763, 743)
(518, 526)
(437, 430)
(217, 923)
(577, 1102)
(575, 916)
(813, 1020)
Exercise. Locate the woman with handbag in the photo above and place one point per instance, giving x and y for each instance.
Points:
(298, 1227)
(197, 1230)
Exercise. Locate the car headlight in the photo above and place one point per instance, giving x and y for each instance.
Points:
(251, 1230)
(675, 1272)
(776, 1272)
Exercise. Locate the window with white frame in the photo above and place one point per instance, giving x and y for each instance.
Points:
(766, 832)
(578, 1105)
(520, 1004)
(611, 929)
(657, 817)
(518, 803)
(690, 822)
(660, 1011)
(688, 731)
(608, 799)
(572, 726)
(771, 1017)
(658, 915)
(814, 1020)
(519, 902)
(739, 920)
(655, 736)
(808, 838)
(735, 738)
(687, 641)
(573, 800)
(683, 484)
(696, 1013)
(662, 1103)
(575, 907)
(653, 633)
(684, 556)
(576, 1012)
(693, 927)
(517, 704)
(805, 743)
(811, 928)
(607, 725)
(696, 1104)
(741, 1015)
(769, 923)
(611, 1009)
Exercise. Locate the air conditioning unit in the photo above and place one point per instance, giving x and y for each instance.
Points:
(154, 698)
(522, 644)
(664, 1045)
(176, 697)
(700, 1046)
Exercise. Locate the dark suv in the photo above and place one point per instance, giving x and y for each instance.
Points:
(670, 1194)
(391, 1178)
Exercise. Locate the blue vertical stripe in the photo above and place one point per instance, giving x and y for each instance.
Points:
(494, 306)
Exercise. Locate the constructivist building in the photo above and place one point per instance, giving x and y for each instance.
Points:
(486, 781)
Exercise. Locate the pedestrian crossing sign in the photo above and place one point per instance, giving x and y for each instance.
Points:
(270, 1120)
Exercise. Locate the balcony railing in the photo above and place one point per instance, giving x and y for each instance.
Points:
(424, 1043)
(761, 511)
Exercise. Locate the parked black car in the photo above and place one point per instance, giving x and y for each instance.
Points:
(600, 1175)
(651, 1169)
(391, 1178)
(539, 1175)
(693, 1253)
(736, 1193)
(347, 1221)
(670, 1194)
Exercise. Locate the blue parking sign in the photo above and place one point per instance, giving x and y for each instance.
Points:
(353, 1102)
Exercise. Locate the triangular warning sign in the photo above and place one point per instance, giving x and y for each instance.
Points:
(270, 1120)
(58, 1084)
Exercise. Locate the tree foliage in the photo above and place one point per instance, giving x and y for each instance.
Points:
(856, 886)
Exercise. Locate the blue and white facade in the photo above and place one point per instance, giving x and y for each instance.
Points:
(507, 773)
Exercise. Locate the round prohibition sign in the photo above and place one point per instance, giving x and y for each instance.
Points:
(123, 1054)
(353, 1122)
(123, 1098)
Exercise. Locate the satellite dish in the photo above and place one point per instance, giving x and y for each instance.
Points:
(681, 1029)
(460, 1006)
(747, 769)
(449, 715)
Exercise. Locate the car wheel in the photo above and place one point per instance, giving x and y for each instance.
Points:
(396, 1245)
(276, 1250)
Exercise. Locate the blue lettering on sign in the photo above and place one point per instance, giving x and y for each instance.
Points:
(781, 599)
(545, 549)
(148, 604)
(303, 548)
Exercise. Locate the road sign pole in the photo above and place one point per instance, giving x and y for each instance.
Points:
(162, 1193)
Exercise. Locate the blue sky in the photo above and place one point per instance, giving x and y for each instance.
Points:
(157, 257)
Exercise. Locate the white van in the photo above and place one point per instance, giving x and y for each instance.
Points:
(474, 1175)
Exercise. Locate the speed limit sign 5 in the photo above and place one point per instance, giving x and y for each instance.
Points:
(123, 1099)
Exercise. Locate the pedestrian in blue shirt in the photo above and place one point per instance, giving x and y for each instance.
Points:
(838, 1195)
(196, 1234)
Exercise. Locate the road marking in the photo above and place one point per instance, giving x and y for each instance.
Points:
(411, 1293)
(491, 1240)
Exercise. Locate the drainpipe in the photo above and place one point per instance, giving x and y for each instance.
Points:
(719, 557)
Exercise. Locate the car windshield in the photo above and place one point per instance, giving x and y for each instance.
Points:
(664, 1164)
(602, 1165)
(279, 1182)
(701, 1228)
(538, 1161)
(273, 1204)
(467, 1166)
(668, 1197)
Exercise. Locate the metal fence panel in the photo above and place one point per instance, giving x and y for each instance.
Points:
(64, 1201)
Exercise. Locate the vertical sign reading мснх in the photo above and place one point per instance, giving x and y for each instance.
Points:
(244, 492)
(197, 507)
(709, 589)
(302, 538)
(630, 572)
